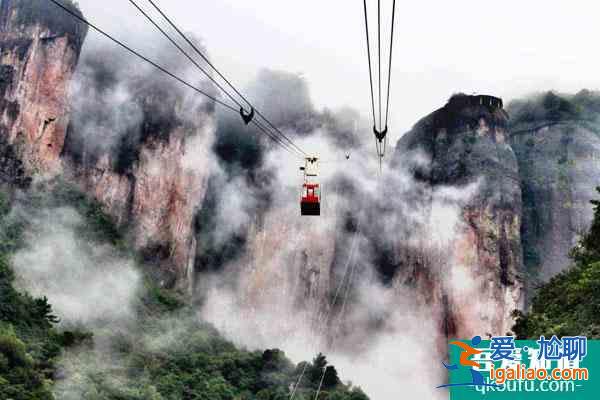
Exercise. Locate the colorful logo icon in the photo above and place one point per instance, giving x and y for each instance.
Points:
(468, 351)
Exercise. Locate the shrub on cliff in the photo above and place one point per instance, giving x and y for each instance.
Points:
(588, 250)
(99, 226)
(570, 303)
(553, 107)
(543, 108)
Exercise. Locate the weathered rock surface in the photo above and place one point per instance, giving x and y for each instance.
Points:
(478, 282)
(140, 144)
(150, 175)
(557, 143)
(38, 55)
(156, 200)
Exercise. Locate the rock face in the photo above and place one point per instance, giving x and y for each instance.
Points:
(156, 200)
(557, 143)
(39, 52)
(139, 144)
(288, 267)
(150, 175)
(479, 283)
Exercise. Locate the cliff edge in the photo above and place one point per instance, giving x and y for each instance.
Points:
(466, 143)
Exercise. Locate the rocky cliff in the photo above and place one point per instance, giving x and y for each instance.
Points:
(39, 51)
(134, 141)
(478, 282)
(139, 143)
(557, 142)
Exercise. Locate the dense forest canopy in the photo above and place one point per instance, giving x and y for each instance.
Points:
(554, 107)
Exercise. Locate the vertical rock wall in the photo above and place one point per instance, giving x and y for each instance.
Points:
(151, 172)
(560, 168)
(38, 55)
(478, 282)
(151, 180)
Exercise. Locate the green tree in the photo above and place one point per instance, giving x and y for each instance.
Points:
(589, 249)
(331, 378)
(570, 303)
(315, 371)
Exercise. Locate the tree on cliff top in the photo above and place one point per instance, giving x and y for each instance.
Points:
(589, 249)
(570, 303)
(555, 107)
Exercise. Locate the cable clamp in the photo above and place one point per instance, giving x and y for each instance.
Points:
(247, 117)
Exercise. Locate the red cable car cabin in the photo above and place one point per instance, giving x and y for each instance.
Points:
(310, 203)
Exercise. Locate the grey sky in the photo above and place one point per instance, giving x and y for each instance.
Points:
(506, 48)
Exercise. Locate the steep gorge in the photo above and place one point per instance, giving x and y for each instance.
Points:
(372, 269)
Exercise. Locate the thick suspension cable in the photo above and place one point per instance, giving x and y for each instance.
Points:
(277, 139)
(144, 58)
(387, 107)
(199, 67)
(167, 72)
(379, 55)
(197, 50)
(174, 43)
(381, 131)
(369, 57)
(321, 382)
(206, 59)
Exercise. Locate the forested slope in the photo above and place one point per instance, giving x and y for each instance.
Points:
(570, 303)
(166, 352)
